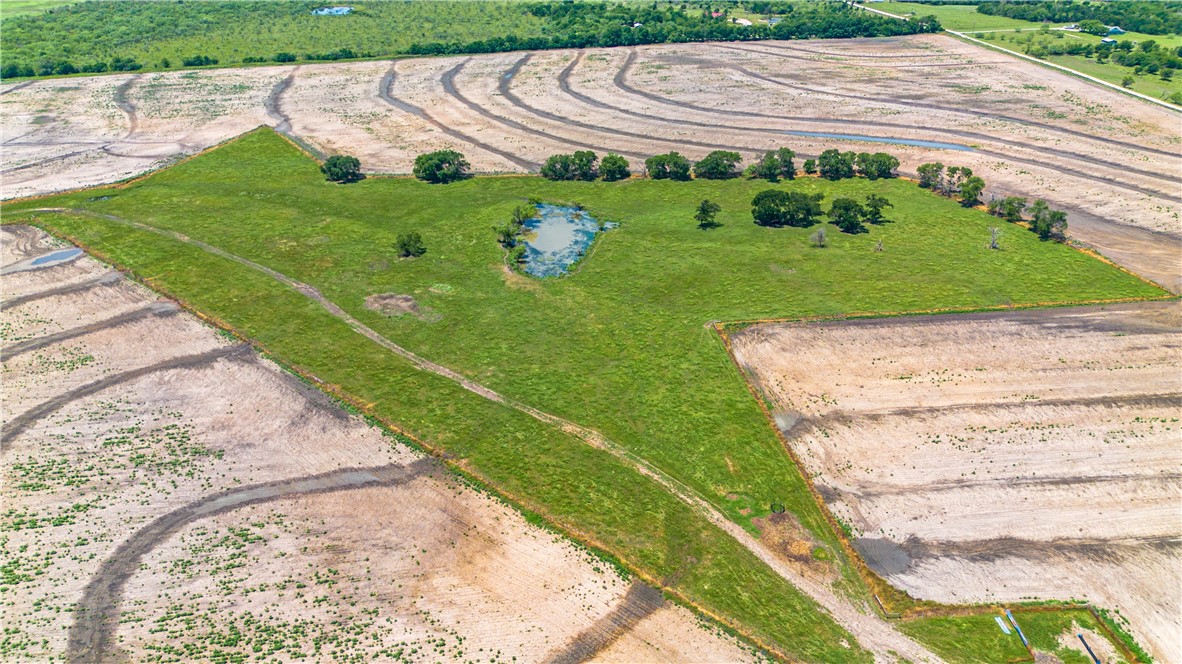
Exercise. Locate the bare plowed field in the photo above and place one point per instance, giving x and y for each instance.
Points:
(1112, 161)
(169, 495)
(1000, 456)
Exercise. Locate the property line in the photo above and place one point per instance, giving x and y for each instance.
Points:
(872, 631)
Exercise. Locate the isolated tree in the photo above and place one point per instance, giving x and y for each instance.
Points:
(846, 214)
(705, 214)
(671, 166)
(994, 237)
(342, 168)
(836, 165)
(820, 239)
(441, 166)
(718, 165)
(614, 167)
(877, 165)
(410, 245)
(970, 190)
(786, 208)
(931, 176)
(559, 167)
(767, 168)
(873, 208)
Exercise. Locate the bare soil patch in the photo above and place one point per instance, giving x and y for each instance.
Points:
(392, 304)
(157, 515)
(997, 457)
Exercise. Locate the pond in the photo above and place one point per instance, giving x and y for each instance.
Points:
(884, 139)
(64, 254)
(557, 238)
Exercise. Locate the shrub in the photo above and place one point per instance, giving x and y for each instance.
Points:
(441, 167)
(410, 245)
(284, 57)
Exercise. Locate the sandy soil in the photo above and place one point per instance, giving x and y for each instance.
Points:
(222, 505)
(1019, 455)
(1111, 161)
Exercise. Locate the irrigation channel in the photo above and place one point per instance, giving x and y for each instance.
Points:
(872, 632)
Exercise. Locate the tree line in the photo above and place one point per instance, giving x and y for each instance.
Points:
(79, 38)
(1154, 18)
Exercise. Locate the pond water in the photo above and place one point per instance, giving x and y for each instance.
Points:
(883, 139)
(62, 255)
(557, 238)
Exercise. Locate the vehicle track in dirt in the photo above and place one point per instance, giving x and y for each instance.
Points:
(103, 280)
(123, 101)
(18, 424)
(638, 603)
(565, 86)
(153, 309)
(18, 86)
(387, 84)
(273, 104)
(96, 614)
(872, 632)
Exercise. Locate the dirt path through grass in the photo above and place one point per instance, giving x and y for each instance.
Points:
(873, 632)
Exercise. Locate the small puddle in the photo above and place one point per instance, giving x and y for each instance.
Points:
(883, 139)
(64, 254)
(557, 238)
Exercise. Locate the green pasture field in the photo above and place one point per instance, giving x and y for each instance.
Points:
(621, 346)
(962, 18)
(11, 8)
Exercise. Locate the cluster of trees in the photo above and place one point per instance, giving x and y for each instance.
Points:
(1154, 18)
(1144, 57)
(64, 67)
(1047, 223)
(585, 165)
(955, 182)
(773, 166)
(834, 164)
(64, 39)
(199, 61)
(777, 208)
(441, 167)
(342, 168)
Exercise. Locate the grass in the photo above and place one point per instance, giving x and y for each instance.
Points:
(621, 346)
(13, 8)
(962, 18)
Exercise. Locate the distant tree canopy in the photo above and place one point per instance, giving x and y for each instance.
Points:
(441, 166)
(342, 168)
(230, 31)
(671, 166)
(774, 207)
(1155, 18)
(718, 165)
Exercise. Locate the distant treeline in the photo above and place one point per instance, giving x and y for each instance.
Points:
(123, 35)
(1154, 18)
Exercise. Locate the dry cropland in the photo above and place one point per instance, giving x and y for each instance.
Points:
(170, 495)
(996, 457)
(1113, 164)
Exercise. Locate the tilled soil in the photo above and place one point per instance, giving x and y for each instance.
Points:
(1000, 456)
(165, 488)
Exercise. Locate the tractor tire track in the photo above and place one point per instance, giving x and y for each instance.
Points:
(872, 632)
(21, 422)
(937, 107)
(620, 83)
(104, 280)
(387, 84)
(640, 602)
(564, 85)
(123, 101)
(154, 309)
(18, 86)
(91, 637)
